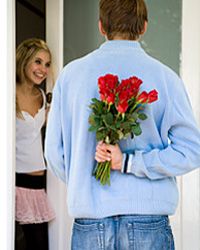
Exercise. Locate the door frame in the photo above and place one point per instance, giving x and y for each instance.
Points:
(190, 73)
(7, 131)
(60, 227)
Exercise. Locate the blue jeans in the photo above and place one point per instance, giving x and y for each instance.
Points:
(136, 232)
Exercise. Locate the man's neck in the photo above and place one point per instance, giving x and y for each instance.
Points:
(120, 37)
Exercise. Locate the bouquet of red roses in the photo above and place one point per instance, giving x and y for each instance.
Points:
(116, 116)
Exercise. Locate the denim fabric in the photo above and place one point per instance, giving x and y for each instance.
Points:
(131, 232)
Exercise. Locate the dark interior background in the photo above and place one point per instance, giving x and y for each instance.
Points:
(30, 19)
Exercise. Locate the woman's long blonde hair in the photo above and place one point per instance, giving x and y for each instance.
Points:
(24, 53)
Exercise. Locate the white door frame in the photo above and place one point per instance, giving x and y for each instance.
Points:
(186, 222)
(190, 72)
(7, 129)
(60, 228)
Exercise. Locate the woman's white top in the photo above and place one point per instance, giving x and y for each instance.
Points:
(29, 151)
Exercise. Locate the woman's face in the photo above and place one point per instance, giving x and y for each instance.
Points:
(37, 68)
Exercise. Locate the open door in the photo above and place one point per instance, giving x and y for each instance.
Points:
(60, 228)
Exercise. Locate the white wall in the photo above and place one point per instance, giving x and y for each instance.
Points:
(186, 222)
(190, 71)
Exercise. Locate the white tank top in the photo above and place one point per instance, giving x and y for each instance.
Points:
(29, 152)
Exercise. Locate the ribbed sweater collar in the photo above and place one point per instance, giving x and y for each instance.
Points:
(116, 44)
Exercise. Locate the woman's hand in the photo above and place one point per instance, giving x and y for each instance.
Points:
(107, 152)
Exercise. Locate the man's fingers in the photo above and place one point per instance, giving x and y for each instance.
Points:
(102, 155)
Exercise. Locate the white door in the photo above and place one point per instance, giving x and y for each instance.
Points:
(187, 219)
(7, 128)
(60, 228)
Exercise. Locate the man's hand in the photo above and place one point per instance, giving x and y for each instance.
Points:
(107, 152)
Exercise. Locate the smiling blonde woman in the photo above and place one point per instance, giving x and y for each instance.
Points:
(33, 211)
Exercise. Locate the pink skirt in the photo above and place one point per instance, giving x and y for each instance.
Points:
(32, 206)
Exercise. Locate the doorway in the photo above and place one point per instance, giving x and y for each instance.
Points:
(30, 19)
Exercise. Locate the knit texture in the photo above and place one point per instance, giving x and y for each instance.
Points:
(168, 146)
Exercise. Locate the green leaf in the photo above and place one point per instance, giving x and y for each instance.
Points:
(101, 135)
(142, 116)
(92, 119)
(127, 135)
(136, 129)
(97, 106)
(135, 116)
(113, 127)
(114, 137)
(118, 125)
(96, 127)
(126, 125)
(92, 106)
(108, 119)
(121, 135)
(92, 128)
(95, 100)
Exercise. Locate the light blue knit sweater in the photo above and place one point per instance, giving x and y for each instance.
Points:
(169, 145)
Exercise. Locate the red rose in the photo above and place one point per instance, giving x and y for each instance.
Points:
(152, 96)
(111, 81)
(135, 86)
(125, 83)
(136, 82)
(131, 85)
(103, 97)
(124, 95)
(103, 93)
(108, 81)
(110, 98)
(107, 87)
(122, 107)
(143, 97)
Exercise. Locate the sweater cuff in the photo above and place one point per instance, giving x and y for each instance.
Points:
(127, 163)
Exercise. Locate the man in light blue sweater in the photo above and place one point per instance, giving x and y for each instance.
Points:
(131, 213)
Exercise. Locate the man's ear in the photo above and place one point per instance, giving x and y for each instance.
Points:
(101, 30)
(145, 28)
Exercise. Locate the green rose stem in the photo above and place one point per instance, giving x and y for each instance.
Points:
(109, 105)
(99, 171)
(103, 172)
(120, 114)
(136, 104)
(139, 108)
